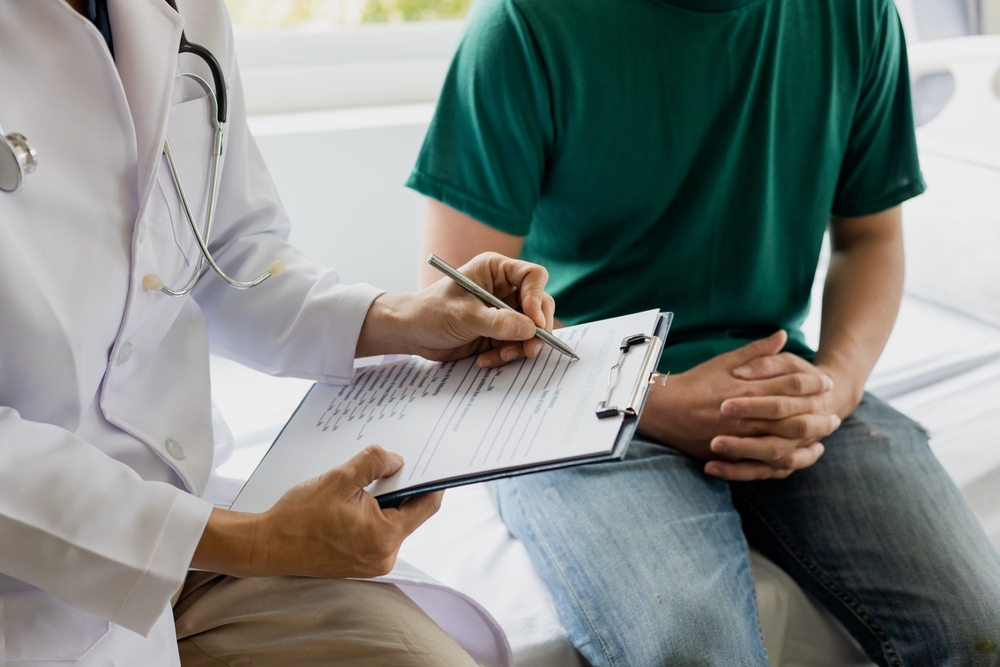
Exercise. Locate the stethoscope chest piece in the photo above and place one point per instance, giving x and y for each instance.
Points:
(17, 159)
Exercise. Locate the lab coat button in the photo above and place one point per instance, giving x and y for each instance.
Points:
(124, 354)
(175, 450)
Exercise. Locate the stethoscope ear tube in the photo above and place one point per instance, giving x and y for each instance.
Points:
(221, 98)
(218, 78)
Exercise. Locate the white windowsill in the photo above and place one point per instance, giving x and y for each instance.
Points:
(310, 122)
(290, 71)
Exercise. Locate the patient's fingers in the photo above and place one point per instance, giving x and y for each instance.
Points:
(775, 407)
(792, 384)
(749, 470)
(758, 348)
(771, 449)
(773, 365)
(801, 427)
(744, 471)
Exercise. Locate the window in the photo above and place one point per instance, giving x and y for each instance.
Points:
(325, 14)
(320, 55)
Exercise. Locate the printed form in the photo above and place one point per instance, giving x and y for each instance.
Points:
(455, 420)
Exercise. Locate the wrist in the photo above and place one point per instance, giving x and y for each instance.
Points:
(232, 543)
(848, 387)
(385, 326)
(659, 420)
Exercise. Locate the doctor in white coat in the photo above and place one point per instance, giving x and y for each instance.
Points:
(105, 415)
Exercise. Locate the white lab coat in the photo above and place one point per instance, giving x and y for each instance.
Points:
(99, 517)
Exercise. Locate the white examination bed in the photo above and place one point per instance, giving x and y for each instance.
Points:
(941, 367)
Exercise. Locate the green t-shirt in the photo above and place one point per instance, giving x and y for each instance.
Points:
(678, 154)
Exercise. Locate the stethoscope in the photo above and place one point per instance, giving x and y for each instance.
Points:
(18, 159)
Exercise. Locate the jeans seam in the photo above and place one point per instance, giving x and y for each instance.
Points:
(823, 579)
(562, 575)
(760, 629)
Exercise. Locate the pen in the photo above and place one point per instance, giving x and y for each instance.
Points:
(453, 273)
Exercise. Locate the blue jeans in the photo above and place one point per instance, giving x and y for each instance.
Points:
(647, 558)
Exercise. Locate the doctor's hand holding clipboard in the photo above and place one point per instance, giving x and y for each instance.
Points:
(330, 526)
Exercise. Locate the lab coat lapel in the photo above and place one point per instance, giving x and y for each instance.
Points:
(146, 35)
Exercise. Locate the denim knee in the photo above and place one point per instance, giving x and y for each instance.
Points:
(645, 560)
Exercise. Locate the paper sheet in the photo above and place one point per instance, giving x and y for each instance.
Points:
(451, 420)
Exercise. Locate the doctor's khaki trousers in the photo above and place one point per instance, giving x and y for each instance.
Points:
(302, 622)
(648, 560)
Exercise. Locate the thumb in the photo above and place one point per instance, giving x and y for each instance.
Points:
(372, 463)
(503, 325)
(762, 347)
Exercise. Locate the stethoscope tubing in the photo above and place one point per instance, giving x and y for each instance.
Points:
(217, 120)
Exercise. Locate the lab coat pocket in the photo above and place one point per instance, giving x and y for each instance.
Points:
(171, 215)
(36, 626)
(191, 136)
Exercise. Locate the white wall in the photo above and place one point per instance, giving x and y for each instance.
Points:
(343, 189)
(339, 117)
(991, 17)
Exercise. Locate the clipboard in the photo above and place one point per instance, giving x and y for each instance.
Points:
(632, 412)
(458, 424)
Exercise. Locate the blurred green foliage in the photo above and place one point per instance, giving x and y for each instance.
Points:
(331, 13)
(415, 10)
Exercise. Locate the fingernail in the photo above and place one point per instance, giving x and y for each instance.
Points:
(399, 459)
(743, 371)
(713, 470)
(485, 363)
(729, 409)
(718, 446)
(827, 382)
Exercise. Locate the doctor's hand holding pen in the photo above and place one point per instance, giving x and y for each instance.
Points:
(443, 321)
(330, 526)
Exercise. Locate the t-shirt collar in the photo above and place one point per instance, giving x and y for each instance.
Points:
(710, 5)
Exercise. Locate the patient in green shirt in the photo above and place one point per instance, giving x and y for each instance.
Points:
(689, 155)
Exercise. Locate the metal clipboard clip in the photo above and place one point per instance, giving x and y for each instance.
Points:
(647, 376)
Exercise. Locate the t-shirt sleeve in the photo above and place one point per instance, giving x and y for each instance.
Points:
(880, 168)
(485, 150)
